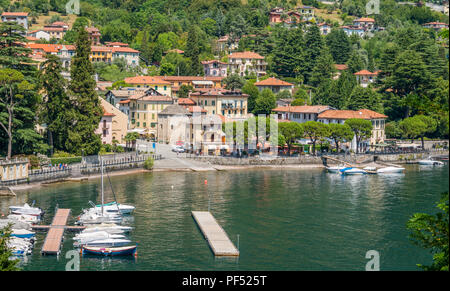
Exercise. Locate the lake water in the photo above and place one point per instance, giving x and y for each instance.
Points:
(286, 219)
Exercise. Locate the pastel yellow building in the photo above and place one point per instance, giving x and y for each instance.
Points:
(230, 104)
(101, 54)
(13, 170)
(154, 82)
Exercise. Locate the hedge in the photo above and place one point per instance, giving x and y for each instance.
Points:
(69, 160)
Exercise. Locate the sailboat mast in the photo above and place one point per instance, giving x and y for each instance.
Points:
(103, 202)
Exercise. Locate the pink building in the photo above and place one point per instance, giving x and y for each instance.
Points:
(105, 127)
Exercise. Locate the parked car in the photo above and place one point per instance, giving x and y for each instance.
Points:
(178, 149)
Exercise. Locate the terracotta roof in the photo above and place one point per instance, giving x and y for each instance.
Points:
(213, 61)
(146, 80)
(365, 72)
(96, 48)
(213, 92)
(364, 19)
(31, 38)
(191, 78)
(59, 23)
(48, 48)
(273, 82)
(195, 108)
(116, 43)
(125, 101)
(341, 67)
(175, 51)
(124, 50)
(302, 109)
(185, 101)
(347, 114)
(15, 14)
(245, 55)
(144, 97)
(106, 113)
(92, 29)
(51, 28)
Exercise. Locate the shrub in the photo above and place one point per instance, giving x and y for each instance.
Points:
(148, 164)
(61, 154)
(68, 160)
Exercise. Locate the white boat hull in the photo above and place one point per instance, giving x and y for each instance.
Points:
(390, 170)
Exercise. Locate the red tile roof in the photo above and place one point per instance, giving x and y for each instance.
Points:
(52, 28)
(106, 113)
(213, 61)
(195, 108)
(273, 82)
(245, 55)
(347, 114)
(146, 80)
(124, 50)
(15, 14)
(48, 48)
(341, 67)
(302, 109)
(365, 72)
(191, 78)
(364, 19)
(185, 101)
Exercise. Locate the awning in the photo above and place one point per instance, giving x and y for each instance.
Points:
(212, 147)
(224, 147)
(203, 82)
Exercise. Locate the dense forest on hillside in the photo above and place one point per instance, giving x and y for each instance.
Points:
(412, 61)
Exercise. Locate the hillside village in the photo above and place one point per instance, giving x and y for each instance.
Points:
(300, 78)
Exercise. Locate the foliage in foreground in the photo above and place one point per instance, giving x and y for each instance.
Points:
(431, 232)
(5, 253)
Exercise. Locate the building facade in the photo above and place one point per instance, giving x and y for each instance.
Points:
(246, 63)
(20, 18)
(275, 85)
(230, 104)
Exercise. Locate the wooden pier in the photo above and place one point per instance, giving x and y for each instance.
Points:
(214, 234)
(54, 238)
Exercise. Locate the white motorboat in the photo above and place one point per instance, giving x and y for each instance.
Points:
(24, 218)
(352, 171)
(369, 168)
(26, 210)
(85, 238)
(391, 170)
(335, 169)
(109, 228)
(22, 233)
(430, 162)
(114, 207)
(110, 242)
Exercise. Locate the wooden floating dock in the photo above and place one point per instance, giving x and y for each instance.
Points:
(214, 234)
(54, 238)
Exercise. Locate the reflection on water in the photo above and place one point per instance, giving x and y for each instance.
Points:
(286, 219)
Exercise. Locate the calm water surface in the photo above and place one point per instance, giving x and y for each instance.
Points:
(286, 219)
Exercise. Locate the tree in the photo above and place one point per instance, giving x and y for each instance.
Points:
(252, 91)
(418, 126)
(265, 102)
(56, 102)
(431, 232)
(290, 131)
(6, 264)
(362, 129)
(339, 45)
(313, 48)
(315, 131)
(85, 112)
(192, 51)
(323, 69)
(364, 98)
(233, 82)
(131, 138)
(339, 133)
(355, 63)
(184, 91)
(12, 86)
(430, 126)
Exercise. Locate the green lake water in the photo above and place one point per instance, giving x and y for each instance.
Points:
(286, 219)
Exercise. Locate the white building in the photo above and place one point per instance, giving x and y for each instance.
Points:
(19, 17)
(246, 63)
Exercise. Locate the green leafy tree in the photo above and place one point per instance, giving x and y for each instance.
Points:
(85, 112)
(364, 98)
(313, 48)
(362, 129)
(431, 232)
(252, 91)
(265, 102)
(315, 131)
(339, 133)
(6, 264)
(192, 52)
(184, 91)
(233, 82)
(291, 131)
(339, 45)
(323, 69)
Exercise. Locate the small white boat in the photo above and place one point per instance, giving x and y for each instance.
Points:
(26, 210)
(369, 168)
(352, 171)
(430, 162)
(110, 242)
(113, 207)
(391, 170)
(108, 227)
(24, 218)
(22, 233)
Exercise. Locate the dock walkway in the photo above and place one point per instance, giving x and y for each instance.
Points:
(214, 234)
(52, 243)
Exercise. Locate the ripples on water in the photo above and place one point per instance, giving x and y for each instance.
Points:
(286, 219)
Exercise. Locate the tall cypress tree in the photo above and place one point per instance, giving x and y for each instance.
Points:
(193, 51)
(323, 69)
(85, 113)
(56, 103)
(313, 48)
(339, 45)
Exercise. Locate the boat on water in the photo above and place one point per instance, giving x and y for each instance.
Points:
(109, 242)
(352, 171)
(94, 216)
(117, 251)
(26, 210)
(335, 169)
(25, 218)
(84, 238)
(22, 233)
(108, 227)
(114, 207)
(430, 162)
(390, 170)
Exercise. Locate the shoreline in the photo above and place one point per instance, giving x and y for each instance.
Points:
(21, 187)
